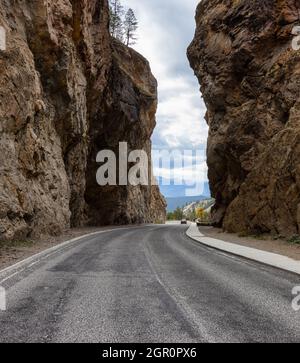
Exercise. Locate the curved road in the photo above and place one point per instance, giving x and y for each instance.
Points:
(147, 284)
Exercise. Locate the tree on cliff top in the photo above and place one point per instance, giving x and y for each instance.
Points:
(116, 22)
(122, 28)
(130, 28)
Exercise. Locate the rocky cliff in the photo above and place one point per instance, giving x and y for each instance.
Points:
(250, 76)
(67, 90)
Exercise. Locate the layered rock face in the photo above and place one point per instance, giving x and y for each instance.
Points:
(66, 91)
(249, 72)
(128, 112)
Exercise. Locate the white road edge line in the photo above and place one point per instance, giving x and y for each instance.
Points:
(271, 259)
(34, 259)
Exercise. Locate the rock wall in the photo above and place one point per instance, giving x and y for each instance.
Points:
(61, 100)
(127, 110)
(250, 76)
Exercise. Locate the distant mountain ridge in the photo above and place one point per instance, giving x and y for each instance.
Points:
(173, 203)
(205, 204)
(180, 191)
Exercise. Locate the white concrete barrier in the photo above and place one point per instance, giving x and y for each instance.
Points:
(267, 258)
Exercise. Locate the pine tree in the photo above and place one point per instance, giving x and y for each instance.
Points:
(116, 23)
(130, 28)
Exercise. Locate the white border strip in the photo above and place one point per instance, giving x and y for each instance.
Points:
(48, 252)
(267, 258)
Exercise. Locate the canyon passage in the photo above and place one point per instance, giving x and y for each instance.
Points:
(82, 262)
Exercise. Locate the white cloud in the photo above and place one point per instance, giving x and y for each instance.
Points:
(166, 27)
(183, 176)
(180, 120)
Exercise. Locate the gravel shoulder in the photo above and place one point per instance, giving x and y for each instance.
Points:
(268, 244)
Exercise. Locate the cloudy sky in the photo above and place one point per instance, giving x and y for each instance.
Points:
(166, 28)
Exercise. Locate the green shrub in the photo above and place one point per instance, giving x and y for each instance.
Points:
(295, 240)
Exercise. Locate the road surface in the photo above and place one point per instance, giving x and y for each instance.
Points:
(148, 284)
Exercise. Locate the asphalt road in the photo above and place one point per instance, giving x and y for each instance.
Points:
(147, 284)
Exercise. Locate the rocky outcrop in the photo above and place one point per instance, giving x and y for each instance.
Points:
(127, 110)
(66, 91)
(250, 75)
